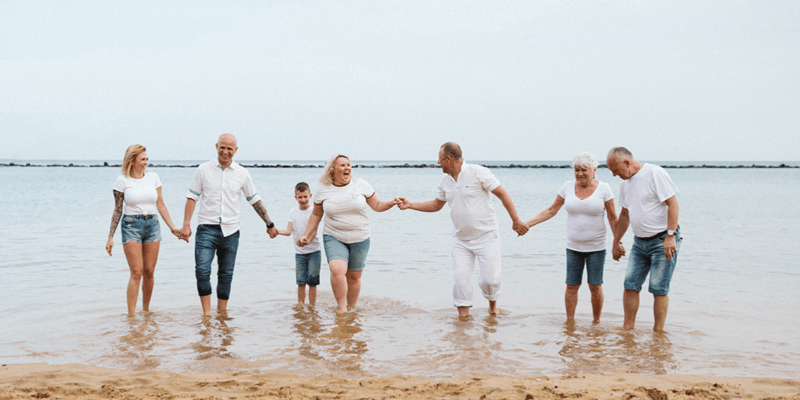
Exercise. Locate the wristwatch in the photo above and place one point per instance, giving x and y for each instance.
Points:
(670, 232)
(270, 225)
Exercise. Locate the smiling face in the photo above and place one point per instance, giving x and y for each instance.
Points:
(303, 198)
(584, 175)
(341, 171)
(139, 165)
(226, 148)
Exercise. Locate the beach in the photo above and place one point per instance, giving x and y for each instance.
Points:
(39, 381)
(66, 333)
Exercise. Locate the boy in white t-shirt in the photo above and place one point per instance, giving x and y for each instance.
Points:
(307, 258)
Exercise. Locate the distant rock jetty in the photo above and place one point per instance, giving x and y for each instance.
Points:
(406, 165)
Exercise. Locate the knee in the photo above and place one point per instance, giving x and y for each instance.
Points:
(352, 279)
(136, 275)
(573, 289)
(596, 289)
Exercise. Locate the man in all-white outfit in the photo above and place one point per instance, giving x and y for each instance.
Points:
(466, 188)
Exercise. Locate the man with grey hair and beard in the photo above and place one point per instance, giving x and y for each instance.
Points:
(466, 188)
(650, 206)
(218, 185)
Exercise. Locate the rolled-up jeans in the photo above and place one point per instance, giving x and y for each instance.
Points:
(208, 242)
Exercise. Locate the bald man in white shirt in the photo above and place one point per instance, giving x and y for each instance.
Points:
(218, 185)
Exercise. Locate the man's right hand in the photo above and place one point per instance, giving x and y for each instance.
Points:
(186, 232)
(618, 251)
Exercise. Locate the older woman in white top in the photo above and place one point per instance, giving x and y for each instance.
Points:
(139, 193)
(343, 201)
(587, 202)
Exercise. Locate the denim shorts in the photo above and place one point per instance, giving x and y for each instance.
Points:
(594, 262)
(306, 268)
(647, 256)
(140, 228)
(354, 253)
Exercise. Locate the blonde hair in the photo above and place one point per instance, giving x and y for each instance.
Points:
(327, 173)
(131, 153)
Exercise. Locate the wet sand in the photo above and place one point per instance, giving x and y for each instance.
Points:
(74, 381)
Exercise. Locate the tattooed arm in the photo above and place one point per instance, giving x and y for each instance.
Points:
(262, 212)
(115, 219)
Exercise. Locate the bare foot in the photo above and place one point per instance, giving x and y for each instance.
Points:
(493, 308)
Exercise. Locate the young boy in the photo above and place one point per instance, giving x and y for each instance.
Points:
(307, 259)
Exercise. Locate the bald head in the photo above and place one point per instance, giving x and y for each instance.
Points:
(621, 163)
(228, 139)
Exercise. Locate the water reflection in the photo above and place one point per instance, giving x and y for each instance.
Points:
(307, 326)
(136, 346)
(598, 350)
(215, 337)
(344, 345)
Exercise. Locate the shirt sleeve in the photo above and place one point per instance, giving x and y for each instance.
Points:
(441, 195)
(562, 192)
(487, 179)
(156, 180)
(119, 184)
(197, 185)
(622, 187)
(664, 187)
(320, 195)
(365, 188)
(608, 194)
(249, 189)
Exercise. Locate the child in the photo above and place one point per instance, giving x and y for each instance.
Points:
(307, 259)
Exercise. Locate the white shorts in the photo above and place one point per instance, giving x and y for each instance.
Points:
(485, 249)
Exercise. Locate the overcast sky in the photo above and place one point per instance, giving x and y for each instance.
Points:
(393, 80)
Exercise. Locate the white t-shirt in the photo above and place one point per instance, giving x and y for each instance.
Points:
(470, 201)
(345, 210)
(140, 194)
(299, 220)
(644, 195)
(586, 226)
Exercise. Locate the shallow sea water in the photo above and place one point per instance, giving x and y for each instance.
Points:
(732, 309)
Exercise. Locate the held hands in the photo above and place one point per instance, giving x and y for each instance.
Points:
(402, 203)
(520, 227)
(179, 234)
(272, 232)
(618, 251)
(186, 232)
(302, 241)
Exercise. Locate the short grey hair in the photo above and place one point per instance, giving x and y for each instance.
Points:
(585, 160)
(621, 153)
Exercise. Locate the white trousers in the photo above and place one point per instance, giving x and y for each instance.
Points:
(486, 250)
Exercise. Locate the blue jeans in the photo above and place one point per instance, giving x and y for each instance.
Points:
(209, 241)
(647, 256)
(306, 268)
(594, 262)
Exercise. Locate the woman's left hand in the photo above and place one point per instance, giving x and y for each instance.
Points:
(109, 245)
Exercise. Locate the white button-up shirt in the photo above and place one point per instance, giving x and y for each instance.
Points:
(219, 192)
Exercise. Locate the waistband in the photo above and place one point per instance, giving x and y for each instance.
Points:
(148, 216)
(659, 234)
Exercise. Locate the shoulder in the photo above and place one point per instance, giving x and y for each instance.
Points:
(120, 182)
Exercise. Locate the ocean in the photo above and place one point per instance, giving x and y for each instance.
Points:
(731, 309)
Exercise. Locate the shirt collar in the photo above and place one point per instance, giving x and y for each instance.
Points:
(233, 165)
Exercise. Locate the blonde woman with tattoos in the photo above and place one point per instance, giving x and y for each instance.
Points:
(138, 192)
